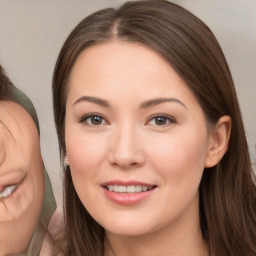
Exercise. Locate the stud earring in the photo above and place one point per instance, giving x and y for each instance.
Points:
(66, 161)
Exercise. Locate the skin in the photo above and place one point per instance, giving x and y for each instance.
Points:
(21, 164)
(164, 143)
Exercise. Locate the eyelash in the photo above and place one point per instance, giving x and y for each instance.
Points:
(167, 118)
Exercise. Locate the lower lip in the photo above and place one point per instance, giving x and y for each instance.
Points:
(126, 198)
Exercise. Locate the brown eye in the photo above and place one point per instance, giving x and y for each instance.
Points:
(96, 120)
(93, 120)
(161, 120)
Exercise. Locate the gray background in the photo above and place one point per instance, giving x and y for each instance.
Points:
(33, 31)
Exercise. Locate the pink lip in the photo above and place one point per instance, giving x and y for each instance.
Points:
(127, 199)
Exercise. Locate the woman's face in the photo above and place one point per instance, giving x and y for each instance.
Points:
(21, 178)
(136, 139)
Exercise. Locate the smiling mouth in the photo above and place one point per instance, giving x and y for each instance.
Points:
(129, 189)
(9, 190)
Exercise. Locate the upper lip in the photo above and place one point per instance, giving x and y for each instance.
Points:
(127, 183)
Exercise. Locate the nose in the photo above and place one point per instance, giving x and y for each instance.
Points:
(126, 148)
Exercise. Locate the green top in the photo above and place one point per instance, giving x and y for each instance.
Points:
(49, 203)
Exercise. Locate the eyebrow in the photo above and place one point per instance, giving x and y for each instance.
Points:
(154, 102)
(145, 104)
(95, 100)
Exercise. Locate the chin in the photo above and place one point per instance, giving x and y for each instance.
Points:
(128, 229)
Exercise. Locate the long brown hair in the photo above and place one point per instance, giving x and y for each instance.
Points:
(227, 191)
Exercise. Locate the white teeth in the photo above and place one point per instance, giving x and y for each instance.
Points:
(128, 189)
(122, 189)
(131, 189)
(7, 191)
(138, 188)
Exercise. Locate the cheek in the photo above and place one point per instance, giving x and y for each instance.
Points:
(86, 155)
(32, 196)
(84, 152)
(179, 161)
(35, 171)
(37, 174)
(180, 157)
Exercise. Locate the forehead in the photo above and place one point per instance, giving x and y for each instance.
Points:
(125, 70)
(118, 64)
(119, 57)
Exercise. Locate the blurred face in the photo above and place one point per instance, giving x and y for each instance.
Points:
(21, 178)
(136, 139)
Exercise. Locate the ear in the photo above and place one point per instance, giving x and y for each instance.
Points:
(219, 139)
